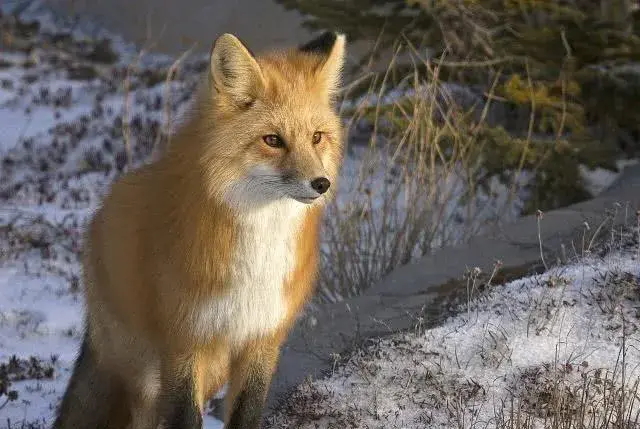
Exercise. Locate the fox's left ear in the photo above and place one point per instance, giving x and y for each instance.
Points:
(234, 72)
(330, 46)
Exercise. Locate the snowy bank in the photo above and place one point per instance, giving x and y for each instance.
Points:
(559, 349)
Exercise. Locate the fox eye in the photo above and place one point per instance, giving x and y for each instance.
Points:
(273, 140)
(317, 137)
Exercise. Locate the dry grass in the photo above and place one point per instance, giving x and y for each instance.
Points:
(567, 396)
(415, 190)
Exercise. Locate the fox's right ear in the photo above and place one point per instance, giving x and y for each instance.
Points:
(234, 72)
(330, 48)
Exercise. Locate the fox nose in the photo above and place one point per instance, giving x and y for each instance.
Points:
(320, 184)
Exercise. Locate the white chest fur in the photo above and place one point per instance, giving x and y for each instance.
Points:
(253, 304)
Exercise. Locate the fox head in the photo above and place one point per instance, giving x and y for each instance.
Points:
(272, 131)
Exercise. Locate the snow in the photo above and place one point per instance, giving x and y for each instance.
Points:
(599, 179)
(58, 154)
(572, 325)
(61, 146)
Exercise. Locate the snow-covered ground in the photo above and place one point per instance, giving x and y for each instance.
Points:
(66, 100)
(556, 350)
(75, 112)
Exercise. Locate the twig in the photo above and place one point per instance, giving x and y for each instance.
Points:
(539, 215)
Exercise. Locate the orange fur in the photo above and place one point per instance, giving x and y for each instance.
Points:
(163, 272)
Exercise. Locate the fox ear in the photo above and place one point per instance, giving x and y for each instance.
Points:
(234, 71)
(330, 46)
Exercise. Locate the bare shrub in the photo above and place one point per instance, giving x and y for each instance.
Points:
(418, 187)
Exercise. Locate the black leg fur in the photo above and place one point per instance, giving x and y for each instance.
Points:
(179, 408)
(90, 399)
(249, 404)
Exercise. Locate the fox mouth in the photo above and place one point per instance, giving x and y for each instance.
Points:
(306, 200)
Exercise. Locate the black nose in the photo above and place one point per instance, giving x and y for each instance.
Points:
(320, 184)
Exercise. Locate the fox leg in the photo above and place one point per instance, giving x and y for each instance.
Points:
(93, 398)
(211, 373)
(251, 374)
(144, 402)
(178, 403)
(144, 415)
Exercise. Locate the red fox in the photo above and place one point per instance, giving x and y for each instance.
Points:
(197, 264)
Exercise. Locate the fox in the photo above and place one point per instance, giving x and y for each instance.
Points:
(197, 264)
